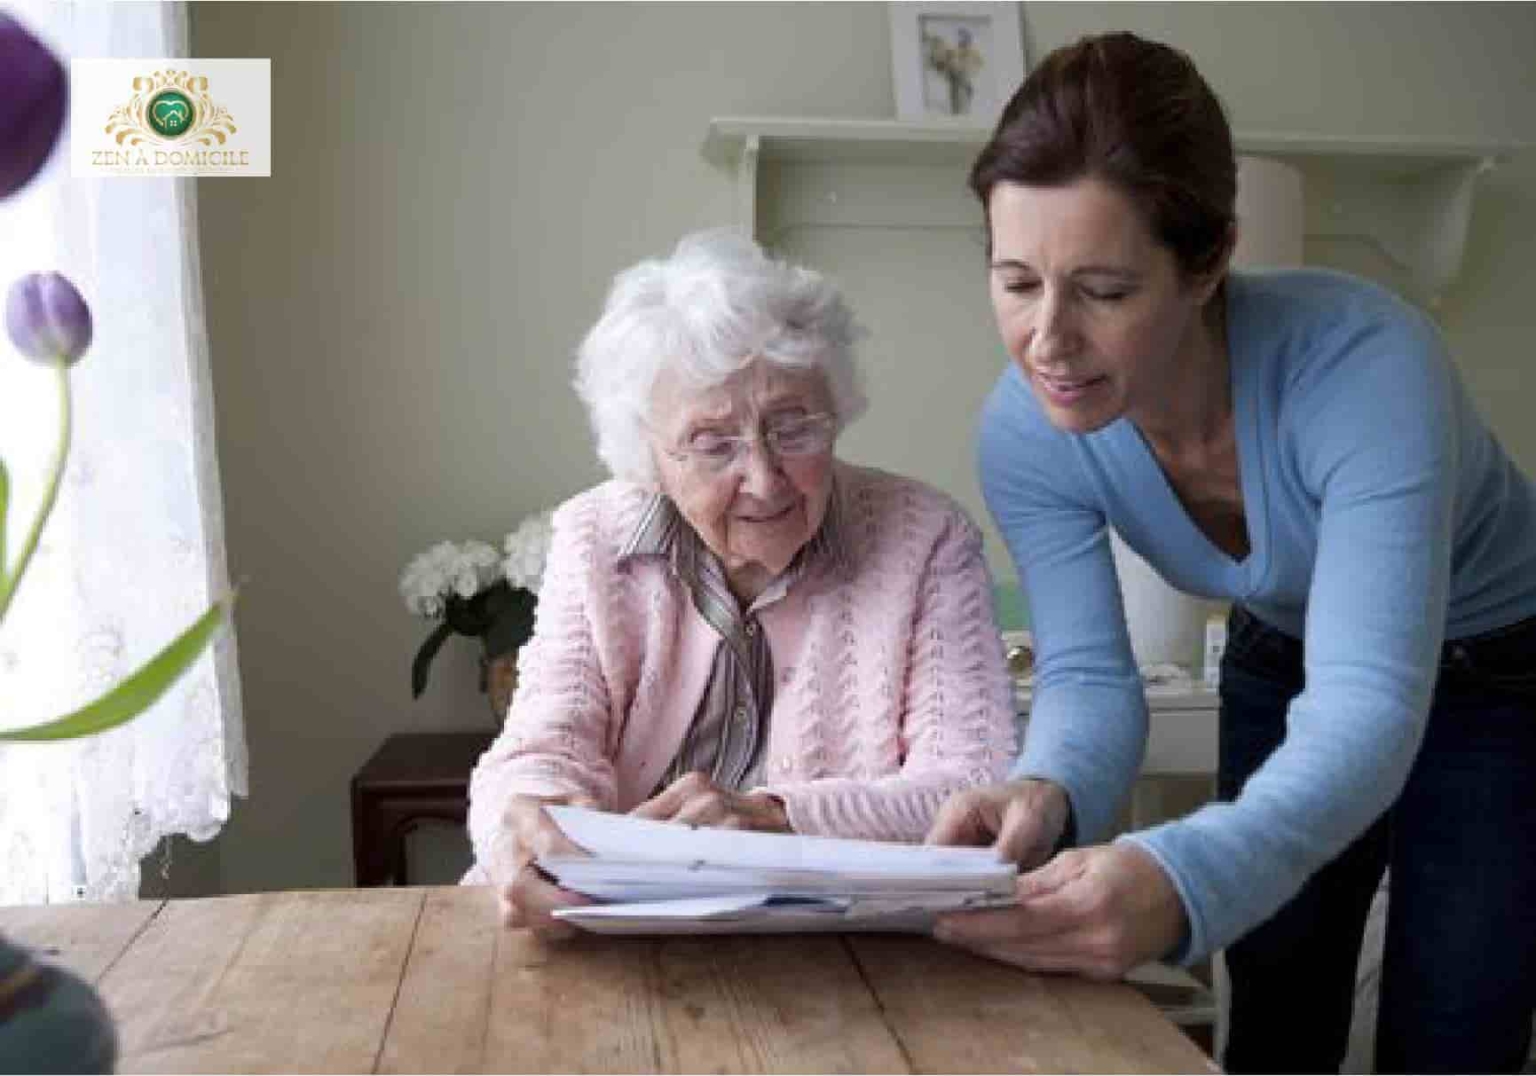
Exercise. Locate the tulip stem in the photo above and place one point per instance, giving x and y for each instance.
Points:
(10, 580)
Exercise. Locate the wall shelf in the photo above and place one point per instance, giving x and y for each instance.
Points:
(1409, 199)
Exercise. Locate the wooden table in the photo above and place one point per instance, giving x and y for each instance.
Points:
(423, 980)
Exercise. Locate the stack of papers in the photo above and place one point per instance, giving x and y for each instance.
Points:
(668, 878)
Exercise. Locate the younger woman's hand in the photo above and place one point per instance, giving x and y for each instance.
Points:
(1096, 911)
(1022, 819)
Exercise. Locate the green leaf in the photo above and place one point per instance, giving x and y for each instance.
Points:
(138, 692)
(511, 617)
(424, 658)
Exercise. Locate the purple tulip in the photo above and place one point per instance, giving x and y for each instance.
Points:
(33, 93)
(47, 318)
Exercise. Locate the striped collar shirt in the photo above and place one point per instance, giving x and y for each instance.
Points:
(728, 736)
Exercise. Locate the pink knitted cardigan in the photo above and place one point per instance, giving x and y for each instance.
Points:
(891, 687)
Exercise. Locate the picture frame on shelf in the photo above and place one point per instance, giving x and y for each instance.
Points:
(955, 62)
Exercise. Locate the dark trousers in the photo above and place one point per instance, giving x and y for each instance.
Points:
(1458, 982)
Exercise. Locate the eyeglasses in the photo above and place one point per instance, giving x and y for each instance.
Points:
(716, 453)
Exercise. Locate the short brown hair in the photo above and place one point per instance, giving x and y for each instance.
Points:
(1135, 114)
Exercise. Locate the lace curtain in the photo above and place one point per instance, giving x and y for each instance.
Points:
(134, 550)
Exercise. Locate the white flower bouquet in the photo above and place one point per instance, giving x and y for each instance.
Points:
(479, 592)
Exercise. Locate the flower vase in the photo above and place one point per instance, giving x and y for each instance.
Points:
(498, 679)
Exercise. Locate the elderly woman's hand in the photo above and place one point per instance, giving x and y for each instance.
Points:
(526, 895)
(696, 800)
(1022, 819)
(1096, 911)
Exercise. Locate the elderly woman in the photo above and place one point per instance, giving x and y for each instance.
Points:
(738, 629)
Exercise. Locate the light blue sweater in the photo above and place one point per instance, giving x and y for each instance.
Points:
(1383, 518)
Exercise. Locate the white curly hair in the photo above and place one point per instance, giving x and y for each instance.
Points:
(716, 305)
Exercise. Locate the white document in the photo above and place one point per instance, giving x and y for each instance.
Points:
(668, 878)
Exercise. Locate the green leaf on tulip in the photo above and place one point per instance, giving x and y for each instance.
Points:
(138, 692)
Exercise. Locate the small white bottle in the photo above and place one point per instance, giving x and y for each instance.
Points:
(1215, 645)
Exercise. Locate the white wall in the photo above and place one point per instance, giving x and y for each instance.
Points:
(453, 186)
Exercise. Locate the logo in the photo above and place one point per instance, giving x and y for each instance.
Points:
(170, 106)
(170, 113)
(183, 117)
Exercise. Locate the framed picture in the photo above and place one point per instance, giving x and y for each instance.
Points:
(955, 61)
